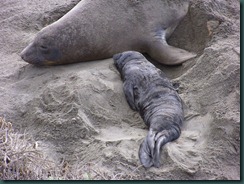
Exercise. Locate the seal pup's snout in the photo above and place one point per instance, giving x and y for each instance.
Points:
(127, 56)
(121, 59)
(117, 56)
(117, 62)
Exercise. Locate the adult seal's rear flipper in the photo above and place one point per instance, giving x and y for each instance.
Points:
(169, 55)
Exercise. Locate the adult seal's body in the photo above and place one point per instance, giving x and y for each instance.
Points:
(98, 29)
(150, 92)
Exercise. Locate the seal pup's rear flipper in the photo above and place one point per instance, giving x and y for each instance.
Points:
(146, 150)
(145, 154)
(161, 139)
(150, 149)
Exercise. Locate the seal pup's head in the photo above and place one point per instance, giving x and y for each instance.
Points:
(121, 59)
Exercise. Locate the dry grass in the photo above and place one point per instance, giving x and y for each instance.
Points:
(22, 159)
(19, 156)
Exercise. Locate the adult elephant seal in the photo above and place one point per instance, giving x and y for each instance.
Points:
(150, 92)
(98, 29)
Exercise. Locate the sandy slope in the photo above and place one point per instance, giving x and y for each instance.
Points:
(80, 114)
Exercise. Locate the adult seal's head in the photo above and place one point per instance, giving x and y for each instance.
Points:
(45, 50)
(98, 29)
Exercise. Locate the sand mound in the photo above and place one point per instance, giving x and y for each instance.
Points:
(80, 111)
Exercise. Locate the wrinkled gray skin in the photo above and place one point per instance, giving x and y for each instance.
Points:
(98, 29)
(150, 92)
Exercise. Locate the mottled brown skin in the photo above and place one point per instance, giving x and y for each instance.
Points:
(98, 29)
(150, 92)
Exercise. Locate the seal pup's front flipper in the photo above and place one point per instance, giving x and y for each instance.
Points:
(129, 94)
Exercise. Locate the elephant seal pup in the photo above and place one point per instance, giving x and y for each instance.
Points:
(150, 92)
(98, 29)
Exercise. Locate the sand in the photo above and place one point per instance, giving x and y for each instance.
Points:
(78, 113)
